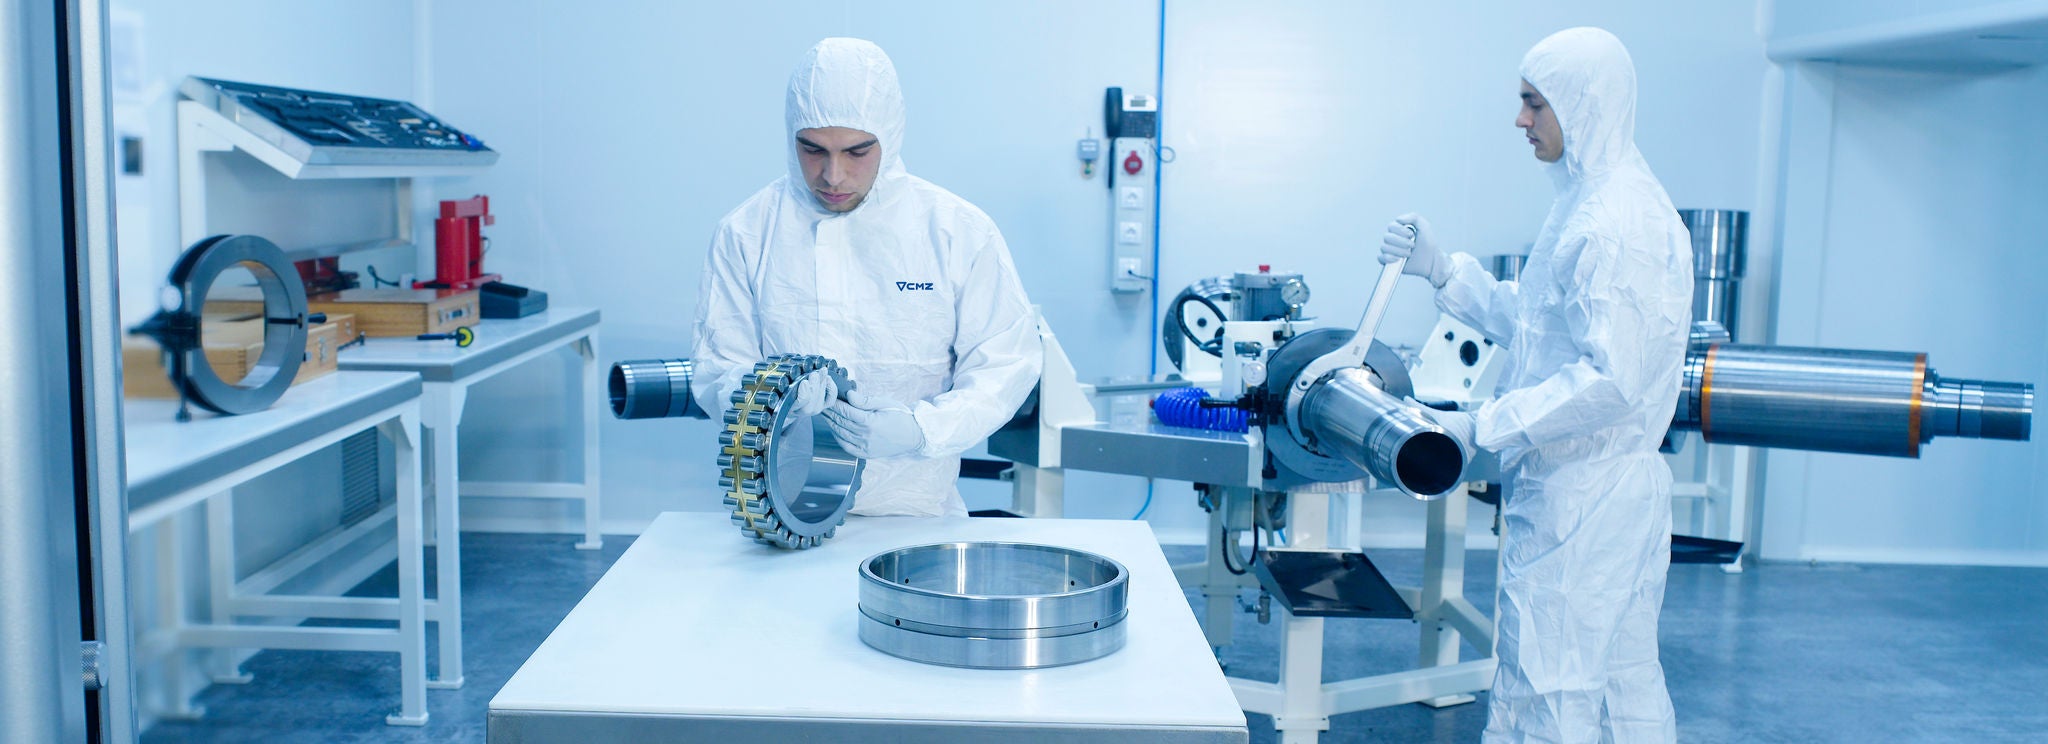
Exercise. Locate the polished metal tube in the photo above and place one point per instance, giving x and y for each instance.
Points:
(1351, 418)
(654, 388)
(1841, 400)
(1719, 241)
(1507, 267)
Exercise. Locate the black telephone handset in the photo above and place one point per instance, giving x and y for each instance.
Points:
(1112, 125)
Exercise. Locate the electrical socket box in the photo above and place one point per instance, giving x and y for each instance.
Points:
(1129, 233)
(1132, 123)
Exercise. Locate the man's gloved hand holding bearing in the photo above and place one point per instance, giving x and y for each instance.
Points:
(870, 427)
(813, 393)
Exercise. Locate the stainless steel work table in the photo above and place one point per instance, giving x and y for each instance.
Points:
(699, 635)
(173, 466)
(447, 371)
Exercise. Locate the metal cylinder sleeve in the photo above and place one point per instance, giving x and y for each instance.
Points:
(784, 490)
(993, 605)
(1719, 241)
(1841, 400)
(654, 388)
(1355, 422)
(1507, 267)
(1393, 440)
(177, 327)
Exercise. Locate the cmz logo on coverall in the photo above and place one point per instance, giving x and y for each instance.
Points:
(913, 286)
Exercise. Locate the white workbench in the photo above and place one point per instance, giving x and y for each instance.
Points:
(697, 634)
(447, 371)
(173, 466)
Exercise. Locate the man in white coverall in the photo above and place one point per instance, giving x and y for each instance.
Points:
(908, 286)
(1596, 334)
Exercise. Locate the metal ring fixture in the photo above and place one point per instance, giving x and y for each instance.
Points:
(782, 490)
(177, 327)
(993, 605)
(1288, 363)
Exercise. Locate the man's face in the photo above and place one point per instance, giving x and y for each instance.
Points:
(1539, 123)
(839, 165)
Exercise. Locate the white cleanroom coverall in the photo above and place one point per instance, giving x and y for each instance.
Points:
(1596, 336)
(913, 291)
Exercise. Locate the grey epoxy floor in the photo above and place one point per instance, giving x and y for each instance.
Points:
(1781, 653)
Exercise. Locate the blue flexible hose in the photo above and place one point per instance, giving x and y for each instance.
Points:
(1183, 407)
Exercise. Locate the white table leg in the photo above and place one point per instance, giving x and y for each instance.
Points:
(1302, 717)
(1443, 577)
(405, 436)
(170, 583)
(442, 404)
(1219, 585)
(220, 564)
(593, 404)
(1738, 504)
(1038, 492)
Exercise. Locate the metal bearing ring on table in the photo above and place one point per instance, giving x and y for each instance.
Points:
(993, 605)
(177, 327)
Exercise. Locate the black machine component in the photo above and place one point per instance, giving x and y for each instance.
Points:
(338, 129)
(176, 328)
(1328, 583)
(1205, 330)
(501, 300)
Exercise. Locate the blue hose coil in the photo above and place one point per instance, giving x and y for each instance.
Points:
(1183, 407)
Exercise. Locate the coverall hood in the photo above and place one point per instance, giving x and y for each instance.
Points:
(846, 83)
(1590, 82)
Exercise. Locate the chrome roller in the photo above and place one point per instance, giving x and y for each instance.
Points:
(1354, 421)
(1840, 400)
(1350, 417)
(784, 489)
(993, 605)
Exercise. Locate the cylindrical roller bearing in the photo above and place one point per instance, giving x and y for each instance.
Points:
(784, 489)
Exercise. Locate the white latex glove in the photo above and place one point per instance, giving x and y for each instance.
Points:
(813, 393)
(870, 427)
(1409, 236)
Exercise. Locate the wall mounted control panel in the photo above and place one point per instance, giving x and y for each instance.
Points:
(335, 129)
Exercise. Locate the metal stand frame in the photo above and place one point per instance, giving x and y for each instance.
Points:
(594, 404)
(442, 407)
(229, 599)
(1301, 703)
(1720, 493)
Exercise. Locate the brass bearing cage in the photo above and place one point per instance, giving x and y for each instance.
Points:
(761, 490)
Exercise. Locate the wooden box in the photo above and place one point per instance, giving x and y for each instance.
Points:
(232, 347)
(401, 312)
(377, 312)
